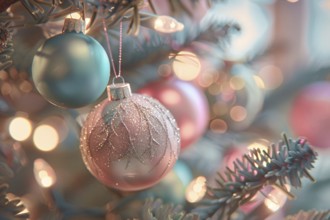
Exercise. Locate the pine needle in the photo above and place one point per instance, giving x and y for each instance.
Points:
(310, 215)
(284, 163)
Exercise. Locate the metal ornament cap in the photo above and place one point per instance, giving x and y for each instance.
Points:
(73, 25)
(119, 91)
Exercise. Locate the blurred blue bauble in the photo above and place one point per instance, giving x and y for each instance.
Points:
(71, 70)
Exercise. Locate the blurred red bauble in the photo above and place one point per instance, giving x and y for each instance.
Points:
(187, 104)
(310, 114)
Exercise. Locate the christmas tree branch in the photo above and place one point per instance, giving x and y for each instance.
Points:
(10, 209)
(156, 210)
(284, 163)
(310, 215)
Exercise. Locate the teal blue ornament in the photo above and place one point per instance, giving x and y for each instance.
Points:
(71, 70)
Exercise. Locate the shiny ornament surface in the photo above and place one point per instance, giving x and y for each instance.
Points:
(71, 70)
(130, 142)
(187, 104)
(310, 114)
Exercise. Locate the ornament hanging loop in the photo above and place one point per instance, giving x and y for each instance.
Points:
(118, 77)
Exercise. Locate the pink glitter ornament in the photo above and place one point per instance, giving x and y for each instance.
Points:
(129, 142)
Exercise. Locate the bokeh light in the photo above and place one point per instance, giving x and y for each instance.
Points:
(236, 83)
(207, 77)
(196, 189)
(186, 65)
(276, 199)
(187, 129)
(45, 137)
(43, 173)
(272, 76)
(20, 128)
(220, 108)
(170, 97)
(261, 144)
(238, 113)
(218, 126)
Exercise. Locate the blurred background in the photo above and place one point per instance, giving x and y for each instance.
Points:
(234, 74)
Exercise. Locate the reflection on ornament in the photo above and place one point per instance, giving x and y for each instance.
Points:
(45, 137)
(186, 102)
(43, 173)
(260, 83)
(186, 65)
(196, 190)
(71, 70)
(129, 142)
(20, 128)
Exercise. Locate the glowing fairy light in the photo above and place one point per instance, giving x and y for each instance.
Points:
(238, 113)
(186, 65)
(20, 128)
(196, 189)
(45, 137)
(43, 173)
(218, 126)
(167, 24)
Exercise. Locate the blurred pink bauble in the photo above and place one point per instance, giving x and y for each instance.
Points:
(310, 114)
(187, 104)
(130, 142)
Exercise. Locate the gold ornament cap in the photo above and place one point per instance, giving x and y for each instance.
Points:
(73, 25)
(119, 91)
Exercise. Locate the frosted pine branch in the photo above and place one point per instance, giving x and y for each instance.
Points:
(310, 215)
(284, 163)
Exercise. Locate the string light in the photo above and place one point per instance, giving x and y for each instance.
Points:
(43, 173)
(20, 128)
(196, 189)
(167, 24)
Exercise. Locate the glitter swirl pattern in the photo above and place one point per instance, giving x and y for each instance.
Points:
(130, 144)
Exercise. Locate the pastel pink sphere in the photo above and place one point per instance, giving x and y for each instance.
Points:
(186, 102)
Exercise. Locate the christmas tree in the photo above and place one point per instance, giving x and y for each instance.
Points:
(187, 109)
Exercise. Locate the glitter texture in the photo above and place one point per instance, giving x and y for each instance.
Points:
(131, 143)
